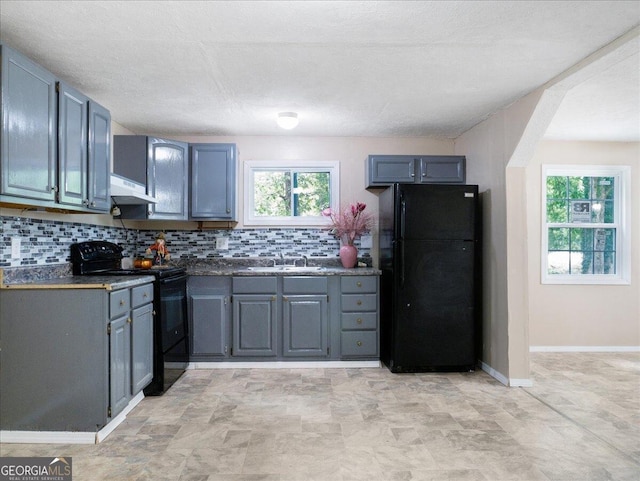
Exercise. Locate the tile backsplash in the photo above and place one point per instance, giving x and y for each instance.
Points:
(46, 242)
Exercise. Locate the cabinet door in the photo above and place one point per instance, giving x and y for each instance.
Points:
(120, 364)
(448, 169)
(213, 181)
(167, 179)
(99, 158)
(254, 325)
(208, 325)
(305, 326)
(141, 348)
(388, 169)
(28, 148)
(72, 143)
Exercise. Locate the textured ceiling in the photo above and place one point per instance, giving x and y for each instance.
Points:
(417, 68)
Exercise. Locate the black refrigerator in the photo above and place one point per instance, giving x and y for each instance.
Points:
(430, 284)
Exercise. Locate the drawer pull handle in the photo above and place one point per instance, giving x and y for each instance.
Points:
(359, 320)
(273, 298)
(145, 295)
(122, 302)
(129, 320)
(359, 343)
(359, 284)
(359, 303)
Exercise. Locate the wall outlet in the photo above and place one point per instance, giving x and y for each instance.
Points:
(366, 242)
(222, 243)
(16, 243)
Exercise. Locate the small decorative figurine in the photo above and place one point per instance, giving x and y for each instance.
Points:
(161, 254)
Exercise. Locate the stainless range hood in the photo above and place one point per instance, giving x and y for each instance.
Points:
(127, 192)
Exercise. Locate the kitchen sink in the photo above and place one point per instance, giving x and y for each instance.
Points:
(285, 268)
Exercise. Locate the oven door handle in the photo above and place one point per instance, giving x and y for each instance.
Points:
(173, 279)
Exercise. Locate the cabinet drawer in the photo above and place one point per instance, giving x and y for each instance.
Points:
(354, 284)
(359, 320)
(141, 295)
(255, 285)
(359, 343)
(304, 285)
(119, 303)
(359, 302)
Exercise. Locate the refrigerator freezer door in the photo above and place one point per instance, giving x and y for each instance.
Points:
(436, 211)
(434, 318)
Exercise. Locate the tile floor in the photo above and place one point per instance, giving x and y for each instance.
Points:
(580, 421)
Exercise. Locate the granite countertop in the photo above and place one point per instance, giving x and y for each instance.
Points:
(216, 270)
(109, 283)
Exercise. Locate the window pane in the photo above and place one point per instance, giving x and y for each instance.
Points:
(602, 187)
(558, 239)
(311, 193)
(558, 262)
(557, 211)
(272, 196)
(556, 187)
(581, 239)
(579, 187)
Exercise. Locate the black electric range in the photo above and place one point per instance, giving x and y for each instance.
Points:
(171, 335)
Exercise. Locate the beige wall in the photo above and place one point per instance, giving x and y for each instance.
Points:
(583, 315)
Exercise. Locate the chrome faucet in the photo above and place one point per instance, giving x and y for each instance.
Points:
(306, 260)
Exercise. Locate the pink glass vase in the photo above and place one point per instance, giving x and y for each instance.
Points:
(348, 256)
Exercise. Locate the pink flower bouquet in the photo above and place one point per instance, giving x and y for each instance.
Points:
(350, 222)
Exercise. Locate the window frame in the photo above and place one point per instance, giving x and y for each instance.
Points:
(621, 223)
(250, 166)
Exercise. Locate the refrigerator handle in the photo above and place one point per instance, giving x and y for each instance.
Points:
(401, 264)
(403, 215)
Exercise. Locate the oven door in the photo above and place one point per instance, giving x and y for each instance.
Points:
(173, 311)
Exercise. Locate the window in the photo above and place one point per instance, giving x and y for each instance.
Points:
(290, 193)
(585, 238)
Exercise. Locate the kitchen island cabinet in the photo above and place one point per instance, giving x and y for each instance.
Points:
(74, 354)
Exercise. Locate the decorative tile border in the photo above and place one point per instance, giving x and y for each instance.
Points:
(46, 242)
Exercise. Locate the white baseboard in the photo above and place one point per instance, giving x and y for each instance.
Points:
(69, 437)
(284, 365)
(511, 382)
(584, 348)
(494, 374)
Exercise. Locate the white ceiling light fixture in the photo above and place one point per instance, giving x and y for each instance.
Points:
(288, 120)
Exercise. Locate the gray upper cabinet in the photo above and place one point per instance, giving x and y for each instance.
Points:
(384, 170)
(161, 165)
(99, 158)
(73, 128)
(55, 141)
(213, 181)
(84, 140)
(28, 136)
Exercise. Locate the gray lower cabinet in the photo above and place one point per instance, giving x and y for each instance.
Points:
(255, 316)
(384, 170)
(209, 317)
(87, 352)
(130, 344)
(305, 314)
(359, 317)
(283, 317)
